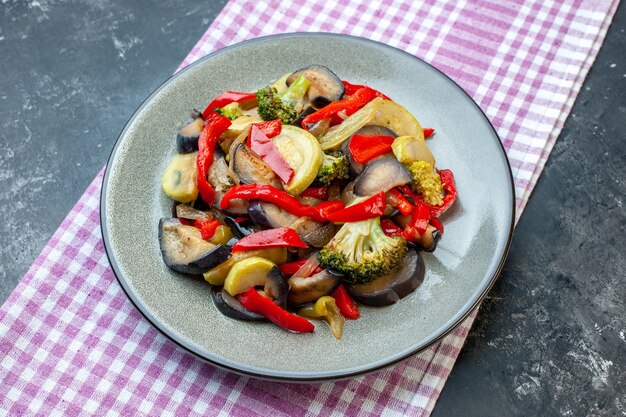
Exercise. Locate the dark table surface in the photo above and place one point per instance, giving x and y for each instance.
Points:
(550, 339)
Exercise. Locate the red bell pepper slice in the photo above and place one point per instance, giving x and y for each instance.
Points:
(270, 129)
(207, 227)
(345, 303)
(270, 238)
(270, 194)
(225, 99)
(321, 193)
(215, 125)
(390, 228)
(265, 148)
(349, 105)
(428, 132)
(365, 147)
(264, 306)
(352, 88)
(436, 223)
(367, 209)
(396, 199)
(291, 268)
(420, 219)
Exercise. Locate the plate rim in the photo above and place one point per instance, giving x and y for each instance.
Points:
(291, 377)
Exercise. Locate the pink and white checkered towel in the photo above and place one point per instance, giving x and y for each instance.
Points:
(72, 344)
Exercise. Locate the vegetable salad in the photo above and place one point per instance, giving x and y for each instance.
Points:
(303, 199)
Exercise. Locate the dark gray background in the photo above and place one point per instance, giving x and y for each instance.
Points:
(551, 337)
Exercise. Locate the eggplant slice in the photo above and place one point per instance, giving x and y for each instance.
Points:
(231, 307)
(304, 290)
(185, 251)
(253, 170)
(187, 137)
(381, 175)
(325, 86)
(395, 285)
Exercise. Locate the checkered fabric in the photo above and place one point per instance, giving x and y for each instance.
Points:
(72, 344)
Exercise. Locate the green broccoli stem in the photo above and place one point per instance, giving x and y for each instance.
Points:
(296, 90)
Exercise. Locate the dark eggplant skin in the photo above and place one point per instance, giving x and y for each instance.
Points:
(325, 86)
(304, 290)
(187, 137)
(202, 256)
(298, 120)
(381, 175)
(276, 287)
(390, 288)
(370, 130)
(231, 307)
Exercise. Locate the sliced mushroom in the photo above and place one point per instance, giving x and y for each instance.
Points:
(304, 290)
(381, 175)
(325, 86)
(185, 251)
(314, 233)
(373, 130)
(395, 285)
(252, 170)
(231, 307)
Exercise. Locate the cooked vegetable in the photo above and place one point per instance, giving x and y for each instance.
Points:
(187, 137)
(184, 250)
(251, 169)
(232, 111)
(275, 105)
(231, 307)
(325, 85)
(426, 182)
(335, 137)
(257, 272)
(381, 175)
(270, 238)
(222, 235)
(304, 290)
(224, 99)
(337, 110)
(179, 178)
(397, 284)
(371, 130)
(365, 147)
(303, 154)
(261, 144)
(393, 116)
(362, 252)
(335, 166)
(217, 275)
(345, 303)
(326, 309)
(409, 149)
(360, 209)
(257, 303)
(215, 125)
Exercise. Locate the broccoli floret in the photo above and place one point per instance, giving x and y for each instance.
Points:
(274, 105)
(362, 252)
(334, 166)
(232, 111)
(426, 182)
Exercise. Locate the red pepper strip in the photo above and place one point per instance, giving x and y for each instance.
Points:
(437, 224)
(406, 190)
(270, 194)
(225, 99)
(367, 209)
(365, 147)
(207, 227)
(215, 125)
(270, 129)
(349, 105)
(390, 228)
(257, 303)
(396, 199)
(428, 132)
(320, 193)
(420, 219)
(352, 88)
(291, 268)
(412, 232)
(345, 303)
(269, 153)
(241, 219)
(270, 238)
